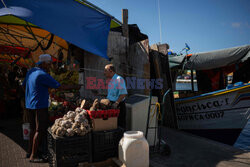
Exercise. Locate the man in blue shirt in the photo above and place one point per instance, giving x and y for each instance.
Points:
(116, 92)
(36, 83)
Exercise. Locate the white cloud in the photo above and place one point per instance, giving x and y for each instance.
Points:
(236, 25)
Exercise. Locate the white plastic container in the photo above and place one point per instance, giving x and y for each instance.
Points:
(134, 149)
(26, 131)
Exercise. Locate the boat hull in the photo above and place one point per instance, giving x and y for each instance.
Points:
(219, 115)
(227, 136)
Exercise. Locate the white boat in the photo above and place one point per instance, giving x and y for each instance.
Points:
(219, 115)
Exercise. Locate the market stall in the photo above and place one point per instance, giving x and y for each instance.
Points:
(87, 134)
(82, 130)
(14, 62)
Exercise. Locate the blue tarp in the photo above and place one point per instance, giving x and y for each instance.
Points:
(68, 19)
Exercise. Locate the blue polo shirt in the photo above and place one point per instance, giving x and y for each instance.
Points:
(36, 83)
(116, 87)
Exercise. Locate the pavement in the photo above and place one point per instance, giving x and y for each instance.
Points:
(187, 150)
(184, 150)
(12, 146)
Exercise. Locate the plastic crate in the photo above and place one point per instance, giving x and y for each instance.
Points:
(105, 144)
(104, 113)
(62, 161)
(69, 150)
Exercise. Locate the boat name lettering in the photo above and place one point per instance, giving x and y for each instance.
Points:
(202, 116)
(201, 106)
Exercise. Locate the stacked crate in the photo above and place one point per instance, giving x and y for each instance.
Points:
(105, 144)
(105, 134)
(69, 151)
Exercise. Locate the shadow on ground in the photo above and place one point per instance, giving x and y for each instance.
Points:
(12, 128)
(192, 151)
(12, 145)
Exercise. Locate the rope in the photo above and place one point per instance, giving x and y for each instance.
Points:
(101, 71)
(49, 43)
(157, 108)
(39, 42)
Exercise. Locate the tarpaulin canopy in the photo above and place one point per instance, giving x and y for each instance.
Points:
(78, 24)
(175, 61)
(218, 58)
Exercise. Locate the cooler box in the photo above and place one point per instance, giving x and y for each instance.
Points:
(137, 114)
(104, 119)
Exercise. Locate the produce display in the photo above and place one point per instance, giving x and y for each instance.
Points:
(56, 109)
(77, 122)
(103, 104)
(86, 104)
(61, 103)
(73, 123)
(66, 77)
(64, 100)
(95, 105)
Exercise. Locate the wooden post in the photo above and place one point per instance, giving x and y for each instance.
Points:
(192, 80)
(161, 67)
(125, 31)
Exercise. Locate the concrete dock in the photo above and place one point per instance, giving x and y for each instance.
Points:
(12, 145)
(186, 150)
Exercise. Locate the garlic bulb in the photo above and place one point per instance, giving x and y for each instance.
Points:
(60, 131)
(80, 118)
(77, 131)
(75, 125)
(58, 121)
(71, 115)
(65, 117)
(84, 112)
(78, 110)
(70, 132)
(74, 122)
(54, 128)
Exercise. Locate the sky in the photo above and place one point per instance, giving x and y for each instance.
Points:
(205, 25)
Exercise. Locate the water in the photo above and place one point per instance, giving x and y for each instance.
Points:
(243, 141)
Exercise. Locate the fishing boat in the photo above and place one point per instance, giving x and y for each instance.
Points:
(223, 111)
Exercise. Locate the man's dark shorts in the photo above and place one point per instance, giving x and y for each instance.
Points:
(39, 119)
(122, 114)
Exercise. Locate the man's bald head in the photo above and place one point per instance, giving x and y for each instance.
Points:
(109, 70)
(110, 67)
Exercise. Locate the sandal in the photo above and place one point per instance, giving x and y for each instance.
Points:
(36, 160)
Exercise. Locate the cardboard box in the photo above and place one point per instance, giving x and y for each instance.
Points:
(100, 124)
